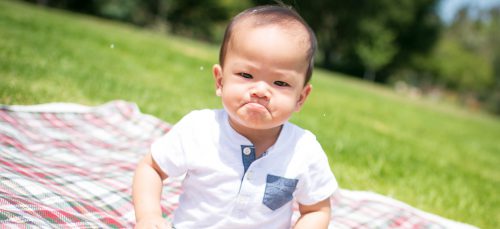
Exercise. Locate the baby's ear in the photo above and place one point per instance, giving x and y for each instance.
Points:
(217, 72)
(303, 97)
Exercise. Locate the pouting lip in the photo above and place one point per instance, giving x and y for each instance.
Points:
(256, 105)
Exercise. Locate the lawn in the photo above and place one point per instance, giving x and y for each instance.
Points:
(434, 156)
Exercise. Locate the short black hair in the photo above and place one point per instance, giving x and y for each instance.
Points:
(272, 14)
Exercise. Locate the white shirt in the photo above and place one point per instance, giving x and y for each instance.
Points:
(226, 187)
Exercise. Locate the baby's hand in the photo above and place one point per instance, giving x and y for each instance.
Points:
(153, 223)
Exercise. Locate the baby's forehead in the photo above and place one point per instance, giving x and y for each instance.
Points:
(290, 26)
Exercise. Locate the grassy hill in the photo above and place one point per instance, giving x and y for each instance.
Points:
(433, 156)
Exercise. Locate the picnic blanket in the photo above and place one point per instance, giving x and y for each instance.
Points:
(71, 166)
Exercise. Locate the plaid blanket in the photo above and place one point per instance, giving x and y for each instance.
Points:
(71, 166)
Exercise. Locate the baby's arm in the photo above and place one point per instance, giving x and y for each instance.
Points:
(146, 193)
(314, 216)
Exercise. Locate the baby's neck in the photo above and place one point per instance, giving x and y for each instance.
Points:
(262, 140)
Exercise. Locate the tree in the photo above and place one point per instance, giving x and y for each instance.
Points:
(199, 18)
(376, 49)
(360, 37)
(391, 32)
(467, 58)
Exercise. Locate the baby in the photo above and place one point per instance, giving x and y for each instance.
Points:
(245, 163)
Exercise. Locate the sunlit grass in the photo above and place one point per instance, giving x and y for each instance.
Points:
(45, 57)
(433, 156)
(442, 160)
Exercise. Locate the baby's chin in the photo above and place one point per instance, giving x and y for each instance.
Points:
(258, 122)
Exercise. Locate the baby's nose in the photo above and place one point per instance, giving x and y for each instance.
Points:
(260, 90)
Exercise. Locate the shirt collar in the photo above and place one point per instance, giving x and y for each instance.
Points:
(239, 140)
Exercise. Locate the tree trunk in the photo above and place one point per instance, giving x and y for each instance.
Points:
(327, 58)
(42, 2)
(369, 75)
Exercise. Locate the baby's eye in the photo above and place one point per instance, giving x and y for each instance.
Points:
(281, 84)
(245, 75)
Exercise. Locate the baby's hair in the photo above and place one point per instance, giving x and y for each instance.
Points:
(272, 14)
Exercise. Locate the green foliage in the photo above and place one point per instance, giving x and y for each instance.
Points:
(466, 59)
(376, 49)
(462, 69)
(431, 155)
(125, 10)
(195, 19)
(344, 28)
(355, 37)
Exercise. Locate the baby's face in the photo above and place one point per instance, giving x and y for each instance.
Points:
(262, 82)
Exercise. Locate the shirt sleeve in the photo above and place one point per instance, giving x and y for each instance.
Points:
(169, 150)
(317, 181)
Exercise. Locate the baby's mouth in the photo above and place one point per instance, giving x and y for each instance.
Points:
(255, 106)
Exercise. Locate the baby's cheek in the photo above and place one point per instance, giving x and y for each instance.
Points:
(286, 107)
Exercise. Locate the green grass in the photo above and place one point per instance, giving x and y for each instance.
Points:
(434, 156)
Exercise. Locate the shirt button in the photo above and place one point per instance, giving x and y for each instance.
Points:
(247, 151)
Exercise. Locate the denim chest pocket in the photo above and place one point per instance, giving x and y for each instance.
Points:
(279, 191)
